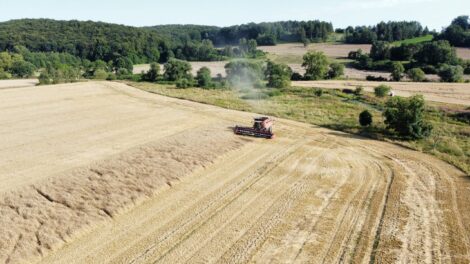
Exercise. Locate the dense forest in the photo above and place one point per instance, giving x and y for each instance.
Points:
(390, 31)
(263, 33)
(110, 42)
(84, 39)
(458, 33)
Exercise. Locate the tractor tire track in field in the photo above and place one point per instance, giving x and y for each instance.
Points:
(309, 196)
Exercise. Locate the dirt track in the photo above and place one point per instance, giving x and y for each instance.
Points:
(138, 177)
(453, 93)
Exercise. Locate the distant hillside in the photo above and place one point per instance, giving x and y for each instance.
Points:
(182, 33)
(87, 40)
(264, 33)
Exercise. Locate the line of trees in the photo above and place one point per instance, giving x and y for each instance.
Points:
(390, 31)
(434, 57)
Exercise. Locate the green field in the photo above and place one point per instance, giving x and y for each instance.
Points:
(414, 40)
(449, 141)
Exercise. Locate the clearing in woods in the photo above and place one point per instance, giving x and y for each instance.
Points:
(101, 172)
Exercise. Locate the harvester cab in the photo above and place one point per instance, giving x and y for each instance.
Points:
(262, 128)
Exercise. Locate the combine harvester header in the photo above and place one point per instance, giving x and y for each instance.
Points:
(262, 128)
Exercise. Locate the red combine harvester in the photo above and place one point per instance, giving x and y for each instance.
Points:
(262, 128)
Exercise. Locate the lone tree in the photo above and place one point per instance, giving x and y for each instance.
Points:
(278, 75)
(316, 65)
(406, 117)
(397, 71)
(382, 90)
(177, 69)
(204, 78)
(365, 118)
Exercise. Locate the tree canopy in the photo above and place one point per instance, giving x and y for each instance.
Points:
(390, 31)
(263, 33)
(316, 65)
(458, 33)
(406, 117)
(84, 39)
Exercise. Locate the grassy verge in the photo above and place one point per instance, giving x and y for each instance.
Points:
(450, 140)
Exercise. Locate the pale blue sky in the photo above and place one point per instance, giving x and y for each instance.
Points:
(433, 13)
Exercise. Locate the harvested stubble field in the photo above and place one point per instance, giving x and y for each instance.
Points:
(101, 172)
(452, 93)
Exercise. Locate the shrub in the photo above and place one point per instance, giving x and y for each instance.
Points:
(204, 78)
(466, 69)
(122, 74)
(318, 92)
(449, 73)
(123, 63)
(152, 74)
(376, 79)
(397, 71)
(429, 69)
(4, 75)
(406, 117)
(416, 75)
(183, 83)
(100, 74)
(359, 90)
(296, 76)
(382, 90)
(274, 92)
(44, 78)
(365, 118)
(177, 69)
(22, 69)
(111, 76)
(354, 55)
(336, 70)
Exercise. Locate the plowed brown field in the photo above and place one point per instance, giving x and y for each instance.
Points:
(101, 172)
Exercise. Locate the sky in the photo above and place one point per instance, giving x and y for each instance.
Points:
(435, 14)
